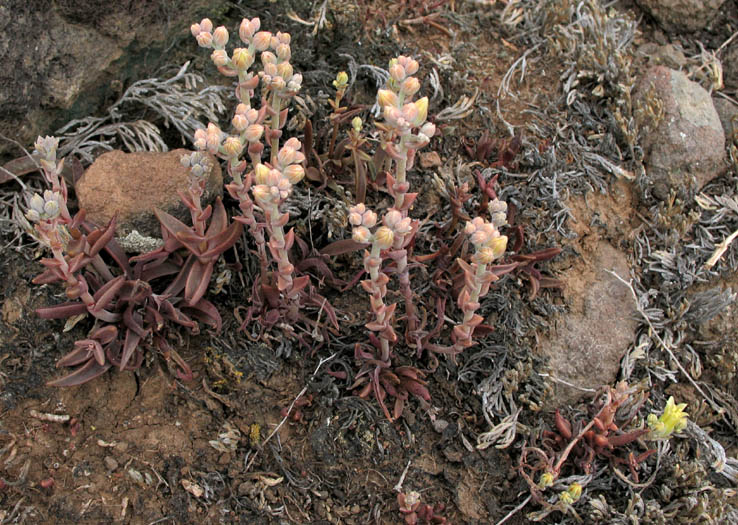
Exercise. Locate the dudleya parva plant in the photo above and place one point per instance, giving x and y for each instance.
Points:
(134, 302)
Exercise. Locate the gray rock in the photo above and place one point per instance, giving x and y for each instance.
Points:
(58, 58)
(682, 15)
(134, 184)
(587, 343)
(728, 113)
(686, 148)
(110, 463)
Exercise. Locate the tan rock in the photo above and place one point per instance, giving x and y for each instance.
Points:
(430, 159)
(133, 184)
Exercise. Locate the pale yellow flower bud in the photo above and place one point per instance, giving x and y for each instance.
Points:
(422, 107)
(284, 70)
(242, 58)
(384, 237)
(267, 57)
(356, 123)
(392, 218)
(261, 172)
(386, 98)
(294, 173)
(498, 245)
(341, 80)
(232, 147)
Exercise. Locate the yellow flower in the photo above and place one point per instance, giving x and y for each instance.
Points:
(674, 419)
(572, 494)
(546, 480)
(341, 80)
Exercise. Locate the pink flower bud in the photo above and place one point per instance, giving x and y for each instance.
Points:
(195, 29)
(261, 40)
(361, 234)
(220, 36)
(354, 219)
(410, 86)
(295, 83)
(369, 219)
(428, 129)
(204, 39)
(242, 58)
(252, 115)
(201, 138)
(392, 218)
(294, 143)
(285, 155)
(247, 29)
(240, 122)
(410, 112)
(206, 25)
(261, 193)
(254, 132)
(397, 72)
(219, 57)
(284, 38)
(411, 66)
(270, 68)
(283, 51)
(294, 173)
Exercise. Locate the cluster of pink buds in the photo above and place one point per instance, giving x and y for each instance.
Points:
(394, 229)
(401, 117)
(262, 187)
(489, 245)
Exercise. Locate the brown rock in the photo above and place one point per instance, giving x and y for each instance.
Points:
(133, 184)
(685, 149)
(588, 343)
(682, 15)
(430, 159)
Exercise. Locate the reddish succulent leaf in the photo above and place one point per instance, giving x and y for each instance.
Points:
(342, 246)
(224, 240)
(82, 375)
(171, 224)
(219, 222)
(198, 281)
(61, 311)
(105, 295)
(129, 346)
(79, 355)
(206, 312)
(47, 277)
(105, 237)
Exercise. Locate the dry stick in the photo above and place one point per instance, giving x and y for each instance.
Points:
(663, 345)
(720, 249)
(289, 410)
(514, 511)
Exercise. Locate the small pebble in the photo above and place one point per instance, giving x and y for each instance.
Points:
(110, 463)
